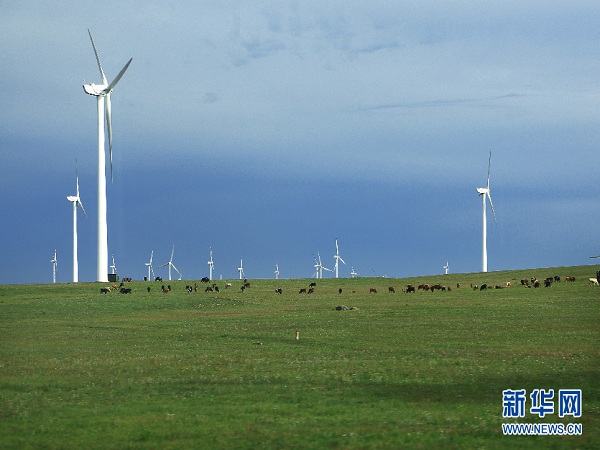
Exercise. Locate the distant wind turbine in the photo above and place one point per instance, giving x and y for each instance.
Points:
(76, 200)
(150, 268)
(102, 93)
(446, 267)
(171, 265)
(353, 274)
(241, 269)
(337, 258)
(276, 270)
(113, 267)
(211, 265)
(485, 195)
(54, 262)
(319, 267)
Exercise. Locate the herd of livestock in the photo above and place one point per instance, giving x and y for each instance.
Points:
(528, 283)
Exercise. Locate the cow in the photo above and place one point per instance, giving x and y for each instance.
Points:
(104, 290)
(313, 284)
(278, 291)
(391, 290)
(302, 291)
(158, 279)
(339, 290)
(372, 291)
(205, 280)
(149, 289)
(165, 291)
(483, 287)
(410, 288)
(548, 282)
(593, 282)
(125, 291)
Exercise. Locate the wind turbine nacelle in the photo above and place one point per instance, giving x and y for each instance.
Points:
(94, 89)
(72, 198)
(482, 191)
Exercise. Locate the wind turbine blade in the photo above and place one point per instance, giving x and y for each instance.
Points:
(151, 255)
(491, 204)
(489, 165)
(109, 130)
(114, 82)
(172, 253)
(340, 258)
(175, 268)
(97, 59)
(79, 204)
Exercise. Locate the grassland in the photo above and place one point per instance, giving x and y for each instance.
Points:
(80, 369)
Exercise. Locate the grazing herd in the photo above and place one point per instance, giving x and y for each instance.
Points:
(527, 283)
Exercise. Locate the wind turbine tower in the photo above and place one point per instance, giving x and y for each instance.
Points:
(54, 262)
(102, 93)
(338, 258)
(76, 200)
(211, 265)
(276, 270)
(241, 269)
(485, 196)
(150, 269)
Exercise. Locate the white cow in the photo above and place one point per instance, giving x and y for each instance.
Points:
(593, 282)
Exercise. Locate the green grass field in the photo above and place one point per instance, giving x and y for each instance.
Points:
(80, 369)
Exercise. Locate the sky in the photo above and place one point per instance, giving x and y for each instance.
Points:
(265, 130)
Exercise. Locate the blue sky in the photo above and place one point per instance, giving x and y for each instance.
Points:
(268, 129)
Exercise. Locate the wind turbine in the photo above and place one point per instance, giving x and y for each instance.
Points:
(276, 270)
(446, 267)
(54, 262)
(338, 258)
(353, 274)
(149, 264)
(171, 265)
(102, 93)
(113, 267)
(211, 265)
(485, 194)
(76, 200)
(320, 267)
(241, 269)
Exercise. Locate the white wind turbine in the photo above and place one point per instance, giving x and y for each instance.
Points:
(241, 269)
(171, 265)
(337, 258)
(211, 265)
(54, 262)
(76, 200)
(113, 267)
(353, 274)
(485, 195)
(102, 93)
(149, 264)
(446, 267)
(320, 267)
(276, 270)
